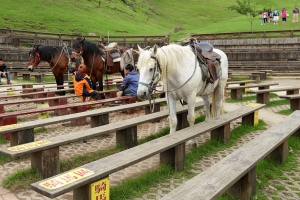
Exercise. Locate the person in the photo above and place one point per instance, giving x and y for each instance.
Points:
(269, 15)
(276, 16)
(83, 84)
(283, 15)
(261, 18)
(295, 14)
(130, 82)
(265, 15)
(4, 72)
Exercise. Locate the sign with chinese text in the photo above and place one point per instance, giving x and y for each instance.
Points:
(100, 190)
(30, 145)
(66, 178)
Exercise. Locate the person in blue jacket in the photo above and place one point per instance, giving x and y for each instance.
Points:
(130, 82)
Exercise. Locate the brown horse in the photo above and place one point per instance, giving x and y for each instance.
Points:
(57, 57)
(97, 60)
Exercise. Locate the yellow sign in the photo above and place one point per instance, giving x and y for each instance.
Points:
(10, 126)
(247, 89)
(43, 115)
(100, 190)
(66, 178)
(255, 112)
(30, 145)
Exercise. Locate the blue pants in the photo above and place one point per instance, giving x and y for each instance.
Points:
(7, 76)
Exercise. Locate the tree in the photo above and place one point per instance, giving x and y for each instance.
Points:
(247, 8)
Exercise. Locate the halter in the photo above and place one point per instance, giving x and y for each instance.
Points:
(65, 50)
(155, 77)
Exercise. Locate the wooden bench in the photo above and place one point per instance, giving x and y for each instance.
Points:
(241, 83)
(236, 173)
(23, 133)
(237, 91)
(11, 117)
(32, 89)
(261, 75)
(263, 96)
(126, 135)
(294, 101)
(170, 147)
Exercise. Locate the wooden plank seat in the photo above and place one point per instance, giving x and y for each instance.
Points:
(11, 117)
(236, 173)
(55, 100)
(126, 135)
(32, 89)
(171, 149)
(241, 83)
(23, 133)
(263, 96)
(294, 101)
(237, 91)
(41, 94)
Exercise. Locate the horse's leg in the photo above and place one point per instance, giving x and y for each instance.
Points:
(206, 100)
(191, 118)
(100, 81)
(172, 116)
(60, 82)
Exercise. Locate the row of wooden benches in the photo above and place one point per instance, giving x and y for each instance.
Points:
(235, 174)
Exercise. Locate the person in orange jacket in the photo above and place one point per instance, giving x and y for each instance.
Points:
(83, 84)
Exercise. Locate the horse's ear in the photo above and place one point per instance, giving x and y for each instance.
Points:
(36, 48)
(140, 49)
(82, 40)
(155, 47)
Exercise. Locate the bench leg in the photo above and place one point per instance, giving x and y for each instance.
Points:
(1, 108)
(174, 157)
(297, 133)
(295, 104)
(47, 162)
(237, 94)
(280, 153)
(263, 98)
(7, 121)
(156, 109)
(289, 92)
(127, 101)
(249, 119)
(80, 121)
(99, 120)
(182, 121)
(222, 133)
(127, 137)
(56, 102)
(22, 137)
(245, 188)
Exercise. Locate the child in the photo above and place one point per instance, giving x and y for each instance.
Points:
(276, 16)
(261, 17)
(83, 84)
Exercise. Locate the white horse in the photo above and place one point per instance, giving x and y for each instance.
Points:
(181, 74)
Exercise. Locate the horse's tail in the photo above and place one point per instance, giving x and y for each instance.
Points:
(217, 94)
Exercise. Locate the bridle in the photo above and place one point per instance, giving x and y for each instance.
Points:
(37, 59)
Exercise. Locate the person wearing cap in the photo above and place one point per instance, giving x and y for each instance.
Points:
(3, 72)
(83, 84)
(276, 16)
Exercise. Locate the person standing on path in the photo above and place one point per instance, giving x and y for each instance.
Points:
(276, 16)
(295, 14)
(4, 72)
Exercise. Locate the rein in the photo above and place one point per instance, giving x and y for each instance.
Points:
(65, 50)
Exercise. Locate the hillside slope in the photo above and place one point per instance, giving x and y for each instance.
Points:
(131, 17)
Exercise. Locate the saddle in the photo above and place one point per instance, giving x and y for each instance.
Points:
(207, 56)
(113, 55)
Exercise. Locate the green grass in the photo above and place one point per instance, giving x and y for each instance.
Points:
(153, 17)
(252, 97)
(285, 112)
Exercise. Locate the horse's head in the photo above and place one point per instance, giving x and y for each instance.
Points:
(34, 58)
(76, 56)
(150, 72)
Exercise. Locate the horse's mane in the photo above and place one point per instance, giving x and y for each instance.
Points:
(47, 52)
(171, 57)
(91, 48)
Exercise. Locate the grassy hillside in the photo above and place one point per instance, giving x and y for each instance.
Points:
(133, 17)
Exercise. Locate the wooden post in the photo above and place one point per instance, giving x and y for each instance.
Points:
(248, 119)
(127, 137)
(222, 133)
(47, 162)
(99, 120)
(22, 137)
(174, 157)
(182, 121)
(280, 153)
(244, 188)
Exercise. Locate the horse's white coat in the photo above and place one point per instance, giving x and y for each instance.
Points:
(182, 79)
